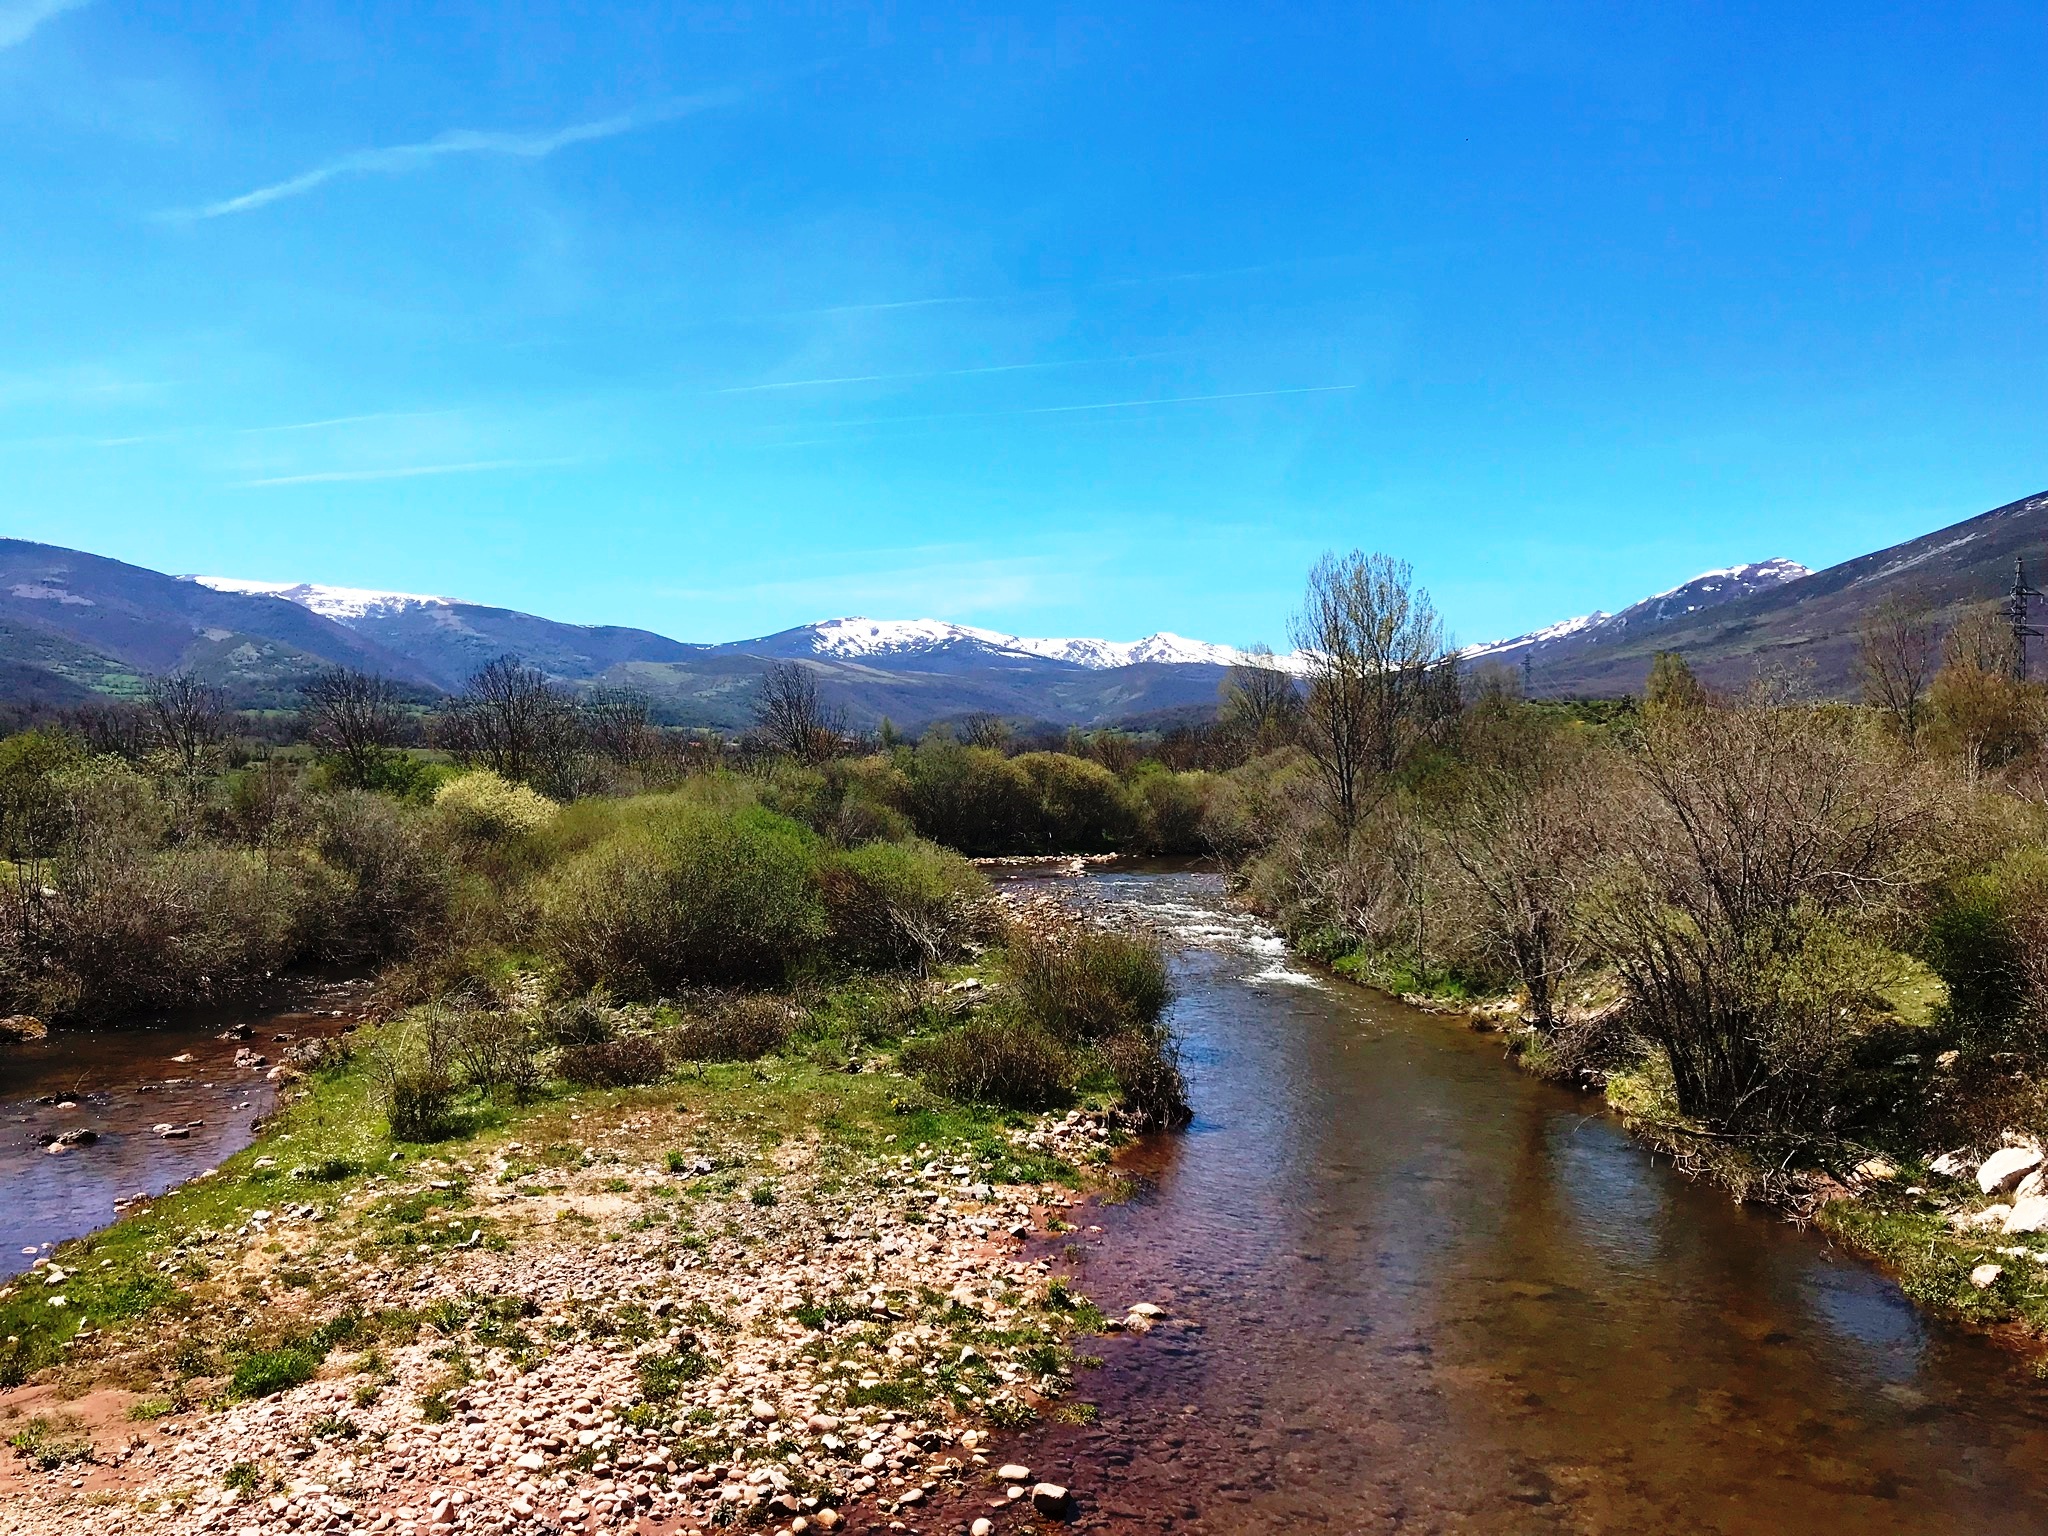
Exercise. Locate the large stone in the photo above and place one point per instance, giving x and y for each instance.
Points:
(2005, 1168)
(21, 1027)
(1984, 1276)
(1052, 1499)
(2028, 1214)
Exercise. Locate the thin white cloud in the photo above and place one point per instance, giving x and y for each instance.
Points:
(399, 158)
(407, 472)
(350, 421)
(940, 373)
(20, 18)
(1104, 405)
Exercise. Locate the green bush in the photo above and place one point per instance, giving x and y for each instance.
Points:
(417, 1099)
(483, 806)
(1970, 943)
(1011, 1062)
(1145, 1065)
(891, 904)
(1072, 805)
(1084, 986)
(691, 895)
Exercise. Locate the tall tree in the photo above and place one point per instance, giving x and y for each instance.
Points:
(353, 716)
(188, 720)
(619, 723)
(1895, 656)
(1379, 674)
(793, 718)
(510, 719)
(1261, 704)
(1672, 685)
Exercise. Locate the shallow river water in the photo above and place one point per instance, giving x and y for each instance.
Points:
(1434, 1294)
(118, 1084)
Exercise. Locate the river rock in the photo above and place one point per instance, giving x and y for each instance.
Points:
(1052, 1499)
(1950, 1165)
(1013, 1472)
(19, 1028)
(2028, 1214)
(2033, 1184)
(2006, 1167)
(1984, 1276)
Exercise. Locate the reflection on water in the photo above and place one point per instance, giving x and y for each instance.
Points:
(119, 1083)
(1429, 1293)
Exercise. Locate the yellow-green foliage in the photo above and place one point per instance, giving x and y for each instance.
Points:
(680, 892)
(481, 804)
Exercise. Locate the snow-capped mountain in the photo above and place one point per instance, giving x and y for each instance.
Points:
(342, 604)
(1709, 589)
(863, 638)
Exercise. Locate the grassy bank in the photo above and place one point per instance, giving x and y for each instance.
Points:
(814, 1227)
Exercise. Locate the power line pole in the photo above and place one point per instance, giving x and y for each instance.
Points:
(2017, 614)
(1528, 688)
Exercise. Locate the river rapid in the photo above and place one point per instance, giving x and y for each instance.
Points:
(1423, 1291)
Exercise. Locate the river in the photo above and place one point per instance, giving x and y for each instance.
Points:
(1428, 1292)
(117, 1085)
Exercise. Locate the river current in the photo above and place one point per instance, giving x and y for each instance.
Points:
(1426, 1292)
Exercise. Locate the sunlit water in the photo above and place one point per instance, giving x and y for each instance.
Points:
(120, 1083)
(1434, 1294)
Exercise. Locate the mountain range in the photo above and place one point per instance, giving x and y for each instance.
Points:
(75, 625)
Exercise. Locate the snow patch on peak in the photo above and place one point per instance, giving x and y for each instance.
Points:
(1706, 590)
(854, 637)
(342, 604)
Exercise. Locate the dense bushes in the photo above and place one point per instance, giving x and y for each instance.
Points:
(1085, 986)
(1078, 1006)
(892, 904)
(686, 894)
(1009, 1061)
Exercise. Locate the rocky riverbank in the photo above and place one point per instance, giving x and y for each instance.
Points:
(774, 1295)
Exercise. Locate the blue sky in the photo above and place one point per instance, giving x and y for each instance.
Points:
(721, 318)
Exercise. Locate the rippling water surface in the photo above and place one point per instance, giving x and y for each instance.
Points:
(1433, 1294)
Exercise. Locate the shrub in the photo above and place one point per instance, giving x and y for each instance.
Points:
(131, 928)
(394, 883)
(485, 807)
(739, 1028)
(1145, 1064)
(494, 1050)
(626, 1062)
(899, 903)
(1085, 986)
(1008, 1061)
(688, 895)
(1075, 806)
(1170, 810)
(417, 1097)
(584, 1020)
(1969, 942)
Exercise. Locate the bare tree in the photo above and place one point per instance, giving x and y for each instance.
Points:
(1260, 701)
(188, 719)
(985, 729)
(1981, 713)
(1378, 672)
(1762, 835)
(791, 716)
(1521, 832)
(510, 719)
(1895, 655)
(619, 723)
(354, 716)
